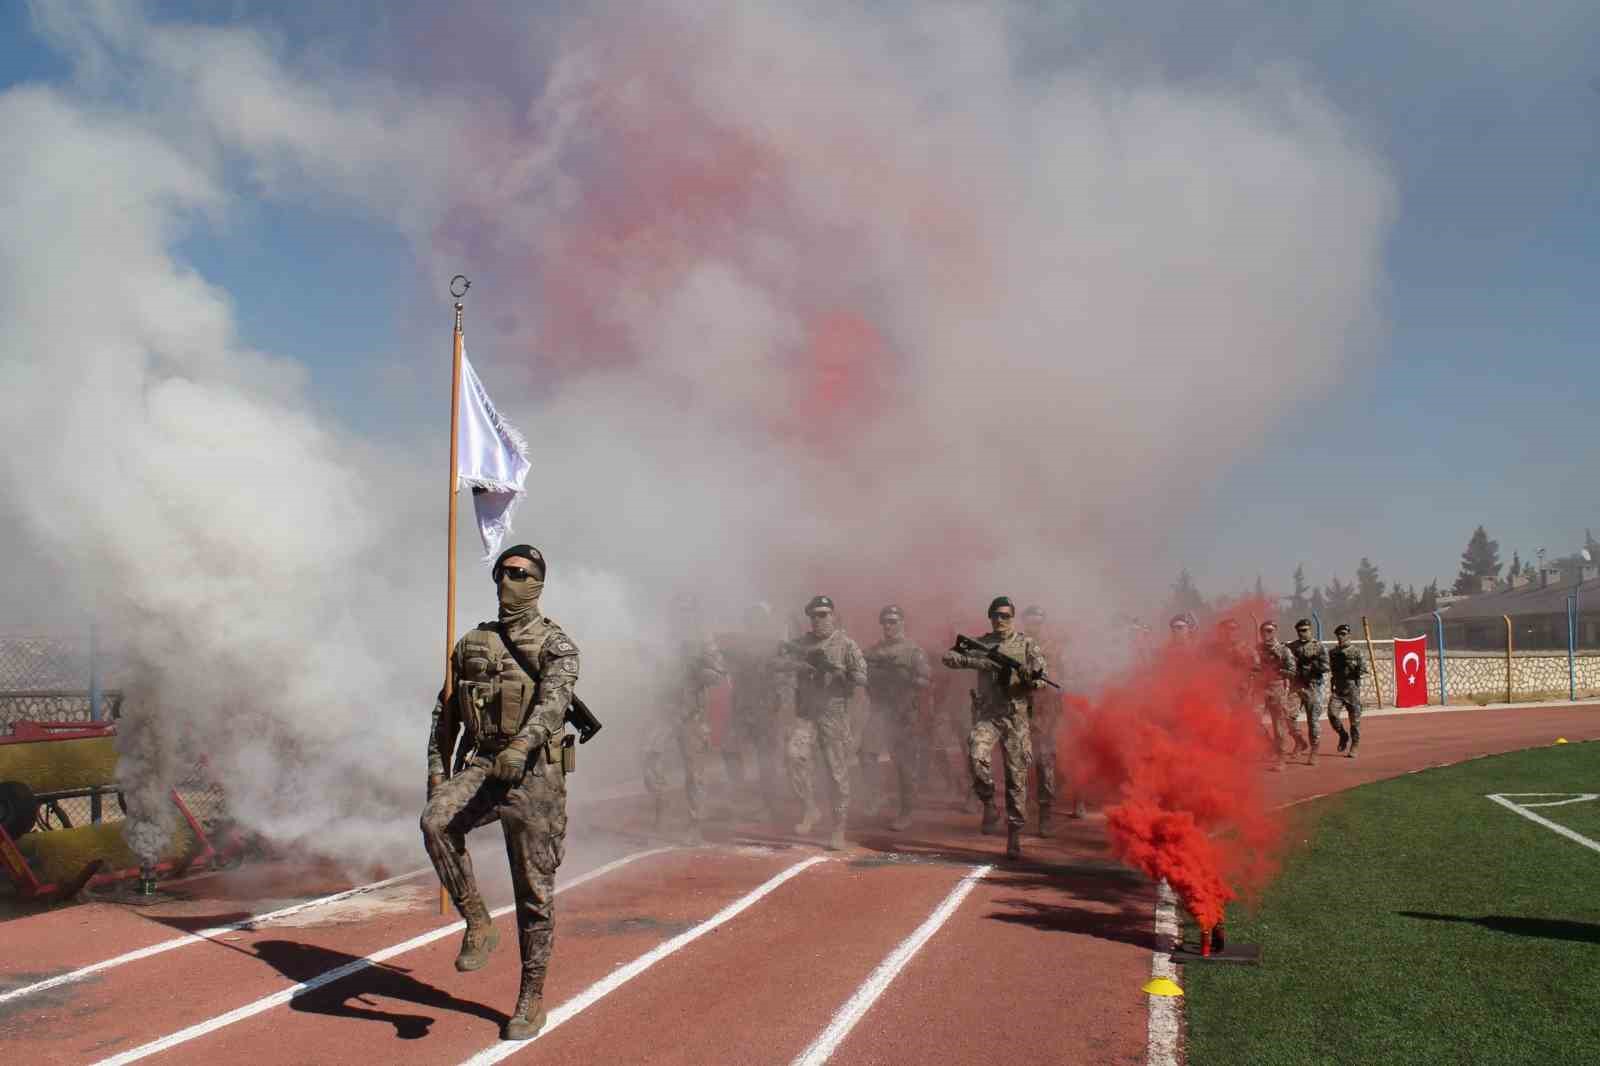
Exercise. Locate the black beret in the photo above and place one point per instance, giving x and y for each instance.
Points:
(1340, 628)
(526, 551)
(891, 613)
(1303, 622)
(819, 601)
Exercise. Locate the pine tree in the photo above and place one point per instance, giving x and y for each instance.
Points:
(1185, 595)
(1429, 600)
(1516, 568)
(1298, 602)
(1315, 605)
(1260, 592)
(1339, 598)
(1369, 589)
(1480, 560)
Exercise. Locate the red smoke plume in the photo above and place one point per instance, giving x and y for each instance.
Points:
(1175, 752)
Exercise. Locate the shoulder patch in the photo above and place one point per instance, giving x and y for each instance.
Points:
(560, 644)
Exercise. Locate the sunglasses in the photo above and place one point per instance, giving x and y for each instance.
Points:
(516, 573)
(1002, 615)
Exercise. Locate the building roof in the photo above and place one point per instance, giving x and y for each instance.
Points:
(1531, 599)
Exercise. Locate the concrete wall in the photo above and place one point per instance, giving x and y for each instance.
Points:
(1477, 676)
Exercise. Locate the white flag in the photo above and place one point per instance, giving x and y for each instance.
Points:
(491, 459)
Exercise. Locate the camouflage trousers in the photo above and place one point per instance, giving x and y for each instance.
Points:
(1012, 733)
(945, 753)
(1308, 702)
(690, 739)
(533, 816)
(757, 728)
(1349, 697)
(1043, 723)
(901, 736)
(828, 732)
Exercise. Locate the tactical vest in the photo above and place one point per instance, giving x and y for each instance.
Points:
(493, 694)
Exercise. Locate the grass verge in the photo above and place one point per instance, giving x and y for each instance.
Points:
(1415, 921)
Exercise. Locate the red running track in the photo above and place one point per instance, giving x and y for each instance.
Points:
(1041, 962)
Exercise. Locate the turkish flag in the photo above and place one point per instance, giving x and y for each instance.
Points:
(1410, 671)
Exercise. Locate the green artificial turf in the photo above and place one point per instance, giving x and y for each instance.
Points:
(1497, 961)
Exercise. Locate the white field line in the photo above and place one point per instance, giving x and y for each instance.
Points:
(623, 974)
(277, 999)
(1576, 797)
(1577, 838)
(1161, 1041)
(197, 937)
(855, 1008)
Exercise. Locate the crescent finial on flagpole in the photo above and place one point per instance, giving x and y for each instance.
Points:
(459, 281)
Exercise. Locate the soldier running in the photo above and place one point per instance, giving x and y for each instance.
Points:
(897, 676)
(1002, 709)
(821, 670)
(752, 656)
(510, 769)
(1308, 687)
(1044, 719)
(1347, 668)
(690, 675)
(1274, 668)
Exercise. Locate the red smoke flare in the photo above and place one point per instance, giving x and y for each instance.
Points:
(1176, 751)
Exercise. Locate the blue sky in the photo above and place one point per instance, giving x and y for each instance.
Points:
(1476, 405)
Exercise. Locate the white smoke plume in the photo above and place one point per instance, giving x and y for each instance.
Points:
(791, 298)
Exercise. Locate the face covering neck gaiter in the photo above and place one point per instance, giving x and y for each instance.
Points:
(519, 600)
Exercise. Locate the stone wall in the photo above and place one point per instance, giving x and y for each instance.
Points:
(1478, 676)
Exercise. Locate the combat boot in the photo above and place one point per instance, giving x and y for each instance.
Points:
(811, 818)
(1013, 842)
(902, 822)
(1311, 755)
(991, 818)
(1344, 738)
(479, 940)
(1046, 823)
(836, 841)
(1351, 754)
(528, 1018)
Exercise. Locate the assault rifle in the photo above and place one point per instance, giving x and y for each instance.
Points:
(581, 718)
(967, 646)
(812, 658)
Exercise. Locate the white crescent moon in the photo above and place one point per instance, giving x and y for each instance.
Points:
(1408, 659)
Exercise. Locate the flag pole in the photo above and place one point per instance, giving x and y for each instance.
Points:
(450, 540)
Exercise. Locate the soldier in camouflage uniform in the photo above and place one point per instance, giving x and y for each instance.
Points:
(510, 768)
(1347, 668)
(1044, 719)
(1002, 705)
(822, 669)
(752, 656)
(690, 675)
(897, 676)
(1274, 668)
(1308, 688)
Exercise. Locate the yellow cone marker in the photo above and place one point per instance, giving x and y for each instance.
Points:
(1162, 986)
(1561, 740)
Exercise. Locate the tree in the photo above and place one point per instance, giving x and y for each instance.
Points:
(1339, 598)
(1315, 605)
(1516, 568)
(1429, 600)
(1185, 595)
(1260, 592)
(1369, 589)
(1480, 560)
(1298, 602)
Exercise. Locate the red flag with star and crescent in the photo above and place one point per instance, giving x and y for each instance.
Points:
(1410, 671)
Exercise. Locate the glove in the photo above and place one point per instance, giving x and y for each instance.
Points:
(434, 781)
(509, 765)
(951, 659)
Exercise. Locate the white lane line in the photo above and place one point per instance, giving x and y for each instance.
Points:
(622, 975)
(1576, 797)
(855, 1008)
(277, 999)
(202, 935)
(1161, 1043)
(1578, 838)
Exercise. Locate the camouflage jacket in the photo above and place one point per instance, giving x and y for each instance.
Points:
(753, 666)
(819, 674)
(689, 675)
(1000, 692)
(897, 675)
(1046, 701)
(1347, 665)
(1310, 662)
(1274, 666)
(495, 704)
